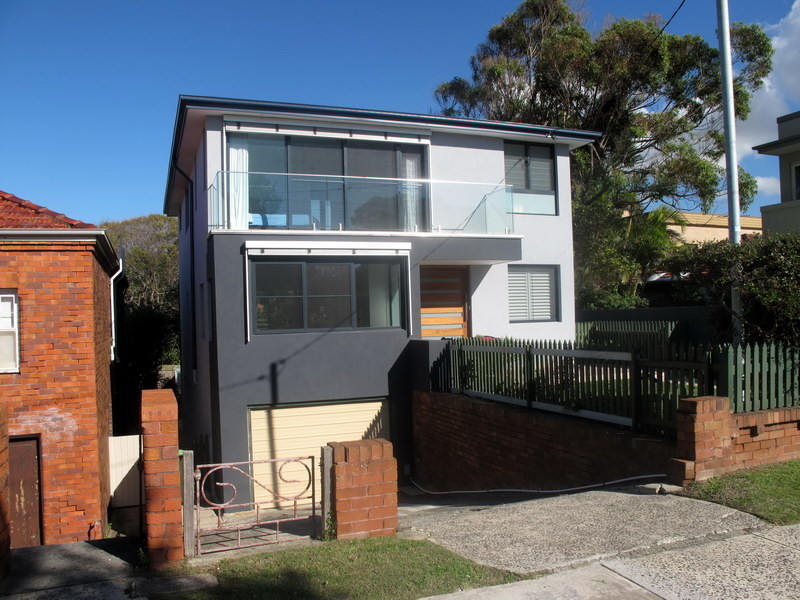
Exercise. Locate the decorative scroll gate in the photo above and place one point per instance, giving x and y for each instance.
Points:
(228, 525)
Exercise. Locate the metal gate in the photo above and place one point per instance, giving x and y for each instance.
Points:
(228, 524)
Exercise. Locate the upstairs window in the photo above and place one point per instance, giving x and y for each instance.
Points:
(796, 181)
(9, 333)
(327, 294)
(307, 182)
(533, 293)
(530, 170)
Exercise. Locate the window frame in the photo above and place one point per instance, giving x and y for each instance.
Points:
(401, 261)
(343, 139)
(15, 329)
(795, 192)
(528, 189)
(555, 295)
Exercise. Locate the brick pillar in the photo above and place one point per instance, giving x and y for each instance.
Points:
(364, 489)
(5, 503)
(706, 432)
(162, 484)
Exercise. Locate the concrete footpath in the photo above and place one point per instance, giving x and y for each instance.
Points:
(98, 570)
(756, 566)
(615, 544)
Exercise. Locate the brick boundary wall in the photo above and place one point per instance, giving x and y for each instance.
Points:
(712, 440)
(364, 489)
(463, 443)
(162, 485)
(5, 504)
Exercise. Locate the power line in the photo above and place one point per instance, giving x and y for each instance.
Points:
(661, 31)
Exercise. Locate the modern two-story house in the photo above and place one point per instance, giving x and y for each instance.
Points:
(317, 242)
(784, 217)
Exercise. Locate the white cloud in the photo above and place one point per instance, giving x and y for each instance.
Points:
(780, 90)
(769, 186)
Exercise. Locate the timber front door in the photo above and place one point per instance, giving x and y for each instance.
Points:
(23, 481)
(444, 296)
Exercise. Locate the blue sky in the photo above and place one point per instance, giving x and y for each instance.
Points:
(90, 87)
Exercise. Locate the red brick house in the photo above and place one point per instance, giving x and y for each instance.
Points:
(55, 379)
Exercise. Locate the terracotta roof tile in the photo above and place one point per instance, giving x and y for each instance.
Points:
(16, 213)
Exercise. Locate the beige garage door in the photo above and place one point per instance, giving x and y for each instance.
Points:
(287, 432)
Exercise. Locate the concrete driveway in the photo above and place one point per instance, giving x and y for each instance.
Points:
(612, 544)
(564, 531)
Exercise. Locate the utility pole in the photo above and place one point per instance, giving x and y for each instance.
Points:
(731, 162)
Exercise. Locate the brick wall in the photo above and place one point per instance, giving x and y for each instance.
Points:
(712, 440)
(162, 485)
(364, 489)
(5, 507)
(59, 392)
(465, 443)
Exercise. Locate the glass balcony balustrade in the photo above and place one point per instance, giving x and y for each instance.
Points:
(264, 201)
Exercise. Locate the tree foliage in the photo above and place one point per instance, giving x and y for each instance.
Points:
(768, 272)
(150, 249)
(149, 327)
(654, 97)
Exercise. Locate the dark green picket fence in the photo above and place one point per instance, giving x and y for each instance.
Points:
(625, 335)
(618, 387)
(637, 388)
(763, 376)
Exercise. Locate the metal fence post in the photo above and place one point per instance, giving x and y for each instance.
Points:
(326, 464)
(187, 485)
(636, 383)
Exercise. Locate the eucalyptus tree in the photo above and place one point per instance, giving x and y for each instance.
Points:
(655, 97)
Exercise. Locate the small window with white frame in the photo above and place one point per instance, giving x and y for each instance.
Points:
(9, 332)
(533, 293)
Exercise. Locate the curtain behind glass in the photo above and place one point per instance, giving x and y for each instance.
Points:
(412, 196)
(238, 182)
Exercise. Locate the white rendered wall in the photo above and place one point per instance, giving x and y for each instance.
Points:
(548, 239)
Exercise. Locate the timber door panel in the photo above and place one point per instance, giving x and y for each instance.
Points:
(444, 301)
(26, 506)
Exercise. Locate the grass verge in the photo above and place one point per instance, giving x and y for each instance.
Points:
(360, 569)
(771, 492)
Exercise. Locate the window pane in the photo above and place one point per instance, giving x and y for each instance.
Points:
(8, 350)
(371, 159)
(327, 312)
(6, 312)
(315, 156)
(378, 295)
(328, 279)
(276, 279)
(316, 202)
(373, 205)
(279, 313)
(267, 154)
(540, 168)
(534, 204)
(515, 165)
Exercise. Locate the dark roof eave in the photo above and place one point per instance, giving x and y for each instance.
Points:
(772, 147)
(209, 102)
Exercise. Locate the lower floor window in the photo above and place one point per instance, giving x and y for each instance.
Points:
(533, 293)
(291, 295)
